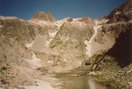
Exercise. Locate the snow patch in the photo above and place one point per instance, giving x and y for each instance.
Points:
(99, 26)
(65, 60)
(96, 28)
(118, 12)
(50, 61)
(78, 23)
(35, 58)
(90, 44)
(7, 17)
(74, 22)
(35, 62)
(48, 42)
(88, 48)
(59, 23)
(30, 44)
(52, 34)
(101, 21)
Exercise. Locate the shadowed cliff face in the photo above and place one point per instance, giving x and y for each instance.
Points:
(122, 49)
(121, 13)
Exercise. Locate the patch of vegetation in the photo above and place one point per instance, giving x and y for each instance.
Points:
(114, 76)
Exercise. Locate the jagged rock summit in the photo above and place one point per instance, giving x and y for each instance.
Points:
(121, 13)
(44, 16)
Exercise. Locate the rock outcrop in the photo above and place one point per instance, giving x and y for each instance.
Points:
(121, 13)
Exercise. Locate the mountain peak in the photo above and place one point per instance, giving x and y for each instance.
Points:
(44, 16)
(121, 13)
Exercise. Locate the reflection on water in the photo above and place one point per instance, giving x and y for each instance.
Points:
(81, 83)
(75, 83)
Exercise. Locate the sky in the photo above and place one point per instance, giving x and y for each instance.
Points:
(25, 9)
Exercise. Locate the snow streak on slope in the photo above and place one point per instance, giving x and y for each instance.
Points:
(59, 23)
(77, 23)
(89, 43)
(92, 46)
(35, 62)
(29, 45)
(7, 17)
(51, 36)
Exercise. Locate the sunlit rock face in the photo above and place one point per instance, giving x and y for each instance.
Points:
(19, 48)
(69, 41)
(61, 45)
